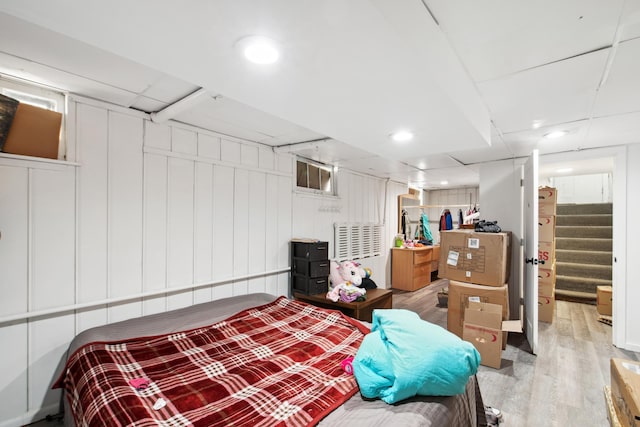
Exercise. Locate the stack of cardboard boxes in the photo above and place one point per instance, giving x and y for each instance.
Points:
(477, 266)
(547, 200)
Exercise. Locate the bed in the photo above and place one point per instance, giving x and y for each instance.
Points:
(247, 360)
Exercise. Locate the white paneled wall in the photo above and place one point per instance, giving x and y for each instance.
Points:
(149, 207)
(37, 272)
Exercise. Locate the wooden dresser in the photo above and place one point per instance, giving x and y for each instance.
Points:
(411, 268)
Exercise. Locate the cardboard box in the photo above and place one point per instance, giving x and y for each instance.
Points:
(472, 257)
(546, 306)
(34, 132)
(604, 298)
(547, 200)
(8, 107)
(625, 391)
(484, 328)
(547, 228)
(547, 274)
(459, 294)
(547, 252)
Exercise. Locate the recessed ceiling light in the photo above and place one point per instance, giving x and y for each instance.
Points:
(444, 182)
(402, 136)
(564, 170)
(555, 134)
(259, 50)
(537, 123)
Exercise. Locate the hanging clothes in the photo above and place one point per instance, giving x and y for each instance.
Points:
(404, 223)
(460, 218)
(426, 231)
(446, 222)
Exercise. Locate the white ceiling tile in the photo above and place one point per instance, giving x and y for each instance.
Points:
(496, 38)
(25, 40)
(627, 130)
(64, 81)
(553, 93)
(169, 89)
(524, 142)
(435, 161)
(621, 92)
(148, 105)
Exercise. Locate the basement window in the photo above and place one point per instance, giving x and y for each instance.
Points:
(314, 176)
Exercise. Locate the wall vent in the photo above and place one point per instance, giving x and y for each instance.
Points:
(357, 240)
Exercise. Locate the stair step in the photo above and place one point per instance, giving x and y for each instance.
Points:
(575, 296)
(595, 219)
(580, 284)
(597, 231)
(584, 257)
(590, 244)
(584, 208)
(583, 270)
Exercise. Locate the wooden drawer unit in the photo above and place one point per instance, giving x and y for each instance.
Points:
(411, 268)
(309, 267)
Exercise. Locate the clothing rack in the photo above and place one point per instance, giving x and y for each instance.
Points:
(440, 206)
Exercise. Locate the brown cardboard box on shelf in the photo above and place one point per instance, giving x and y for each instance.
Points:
(546, 306)
(34, 132)
(547, 274)
(547, 252)
(547, 228)
(459, 294)
(625, 391)
(484, 328)
(604, 300)
(547, 200)
(474, 257)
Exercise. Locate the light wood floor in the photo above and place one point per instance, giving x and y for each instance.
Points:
(560, 386)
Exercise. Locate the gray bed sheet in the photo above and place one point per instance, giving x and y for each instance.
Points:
(464, 410)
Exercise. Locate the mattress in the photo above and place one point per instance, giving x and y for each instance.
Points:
(465, 409)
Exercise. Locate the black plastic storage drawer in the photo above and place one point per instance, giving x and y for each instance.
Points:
(316, 251)
(311, 268)
(310, 285)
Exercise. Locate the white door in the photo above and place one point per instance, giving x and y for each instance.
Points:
(531, 249)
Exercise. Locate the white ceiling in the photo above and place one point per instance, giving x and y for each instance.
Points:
(475, 81)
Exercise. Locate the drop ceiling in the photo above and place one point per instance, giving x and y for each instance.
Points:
(475, 81)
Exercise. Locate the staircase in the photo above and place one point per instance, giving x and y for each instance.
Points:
(583, 250)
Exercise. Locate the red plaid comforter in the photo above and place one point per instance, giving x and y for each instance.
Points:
(277, 364)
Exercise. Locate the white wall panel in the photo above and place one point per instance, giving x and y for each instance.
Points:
(52, 245)
(157, 135)
(13, 370)
(125, 212)
(271, 215)
(92, 184)
(155, 230)
(230, 151)
(208, 146)
(203, 231)
(266, 158)
(183, 141)
(249, 155)
(285, 163)
(14, 240)
(241, 230)
(284, 224)
(48, 342)
(257, 228)
(180, 230)
(223, 220)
